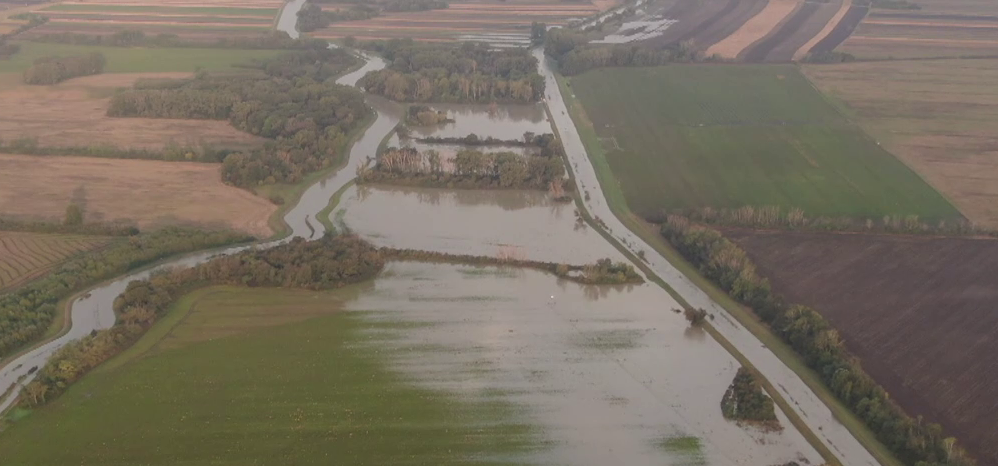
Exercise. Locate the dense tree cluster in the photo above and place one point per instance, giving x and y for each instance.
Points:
(422, 115)
(172, 151)
(914, 441)
(324, 264)
(607, 271)
(745, 400)
(291, 99)
(575, 55)
(26, 313)
(52, 70)
(312, 17)
(469, 169)
(272, 40)
(445, 73)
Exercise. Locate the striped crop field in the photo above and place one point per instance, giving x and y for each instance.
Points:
(27, 256)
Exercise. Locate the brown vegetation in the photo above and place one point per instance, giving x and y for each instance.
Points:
(151, 193)
(26, 256)
(825, 31)
(937, 116)
(919, 313)
(73, 113)
(775, 12)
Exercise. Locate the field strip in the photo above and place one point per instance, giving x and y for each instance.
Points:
(173, 23)
(926, 41)
(475, 6)
(408, 28)
(435, 20)
(824, 31)
(56, 14)
(755, 28)
(192, 4)
(883, 22)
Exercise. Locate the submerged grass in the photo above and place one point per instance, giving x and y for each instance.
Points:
(237, 381)
(687, 450)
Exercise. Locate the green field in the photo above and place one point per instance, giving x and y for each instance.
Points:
(725, 136)
(271, 12)
(138, 59)
(237, 376)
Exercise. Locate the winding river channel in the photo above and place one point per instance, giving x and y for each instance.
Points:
(618, 368)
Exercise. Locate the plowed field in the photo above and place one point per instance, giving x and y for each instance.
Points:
(918, 312)
(26, 256)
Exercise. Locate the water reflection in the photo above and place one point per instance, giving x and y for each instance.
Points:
(498, 121)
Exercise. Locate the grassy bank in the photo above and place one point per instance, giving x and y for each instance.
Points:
(139, 59)
(248, 376)
(709, 136)
(650, 235)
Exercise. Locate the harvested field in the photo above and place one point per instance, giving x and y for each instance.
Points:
(726, 22)
(938, 116)
(918, 312)
(72, 114)
(27, 256)
(783, 43)
(487, 21)
(729, 136)
(220, 19)
(775, 12)
(842, 30)
(957, 28)
(150, 193)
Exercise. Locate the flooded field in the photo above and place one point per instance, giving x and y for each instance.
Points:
(508, 223)
(500, 121)
(610, 374)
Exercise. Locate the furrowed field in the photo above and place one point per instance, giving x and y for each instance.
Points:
(26, 256)
(260, 376)
(722, 136)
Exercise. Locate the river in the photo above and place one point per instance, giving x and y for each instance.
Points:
(670, 397)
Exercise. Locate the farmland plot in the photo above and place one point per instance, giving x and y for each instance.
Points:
(27, 256)
(720, 136)
(800, 28)
(918, 312)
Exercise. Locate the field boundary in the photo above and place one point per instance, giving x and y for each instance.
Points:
(615, 200)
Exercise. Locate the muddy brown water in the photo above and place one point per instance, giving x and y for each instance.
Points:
(501, 121)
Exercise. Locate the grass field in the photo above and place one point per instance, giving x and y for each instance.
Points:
(138, 59)
(938, 116)
(719, 136)
(255, 376)
(267, 12)
(27, 256)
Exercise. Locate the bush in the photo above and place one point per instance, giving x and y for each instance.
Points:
(745, 401)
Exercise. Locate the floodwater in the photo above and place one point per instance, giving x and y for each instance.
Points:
(502, 121)
(813, 411)
(608, 373)
(495, 223)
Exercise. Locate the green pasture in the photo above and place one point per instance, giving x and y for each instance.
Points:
(235, 376)
(138, 59)
(729, 136)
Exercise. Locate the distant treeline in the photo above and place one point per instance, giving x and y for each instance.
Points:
(772, 217)
(290, 99)
(574, 54)
(602, 272)
(470, 72)
(471, 169)
(172, 152)
(94, 228)
(272, 40)
(7, 49)
(830, 56)
(26, 313)
(311, 16)
(549, 145)
(52, 70)
(913, 441)
(327, 263)
(890, 4)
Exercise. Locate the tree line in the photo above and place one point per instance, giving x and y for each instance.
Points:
(574, 53)
(52, 70)
(171, 152)
(470, 72)
(548, 144)
(26, 313)
(271, 40)
(74, 228)
(312, 17)
(912, 440)
(291, 99)
(8, 49)
(468, 169)
(774, 217)
(327, 263)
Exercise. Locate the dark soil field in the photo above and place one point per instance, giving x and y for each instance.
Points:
(806, 23)
(919, 312)
(690, 16)
(726, 22)
(760, 51)
(842, 30)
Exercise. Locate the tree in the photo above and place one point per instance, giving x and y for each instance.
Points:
(74, 215)
(537, 33)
